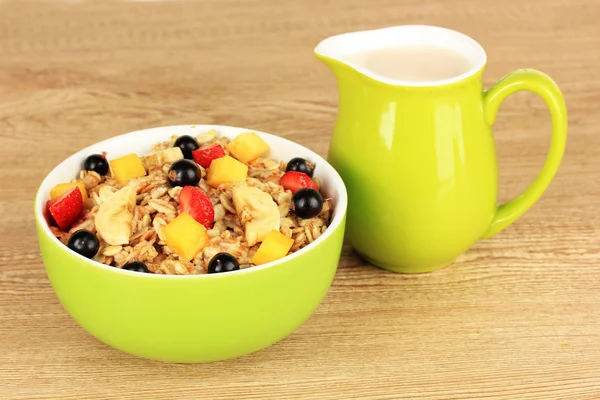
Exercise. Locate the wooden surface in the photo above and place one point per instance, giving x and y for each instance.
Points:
(518, 317)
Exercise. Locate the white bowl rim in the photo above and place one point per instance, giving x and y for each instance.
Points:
(338, 215)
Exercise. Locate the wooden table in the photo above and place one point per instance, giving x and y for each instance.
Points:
(518, 317)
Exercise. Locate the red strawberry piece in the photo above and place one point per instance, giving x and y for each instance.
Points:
(66, 208)
(47, 215)
(297, 180)
(205, 154)
(195, 202)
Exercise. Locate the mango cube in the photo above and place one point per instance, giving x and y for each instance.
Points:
(226, 170)
(247, 147)
(186, 236)
(65, 187)
(127, 167)
(275, 246)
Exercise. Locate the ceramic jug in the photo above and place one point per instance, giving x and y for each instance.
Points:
(418, 157)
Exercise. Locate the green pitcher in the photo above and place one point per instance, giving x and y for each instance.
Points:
(418, 156)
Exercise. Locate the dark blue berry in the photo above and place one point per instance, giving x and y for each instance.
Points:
(300, 165)
(136, 266)
(84, 242)
(308, 203)
(97, 163)
(184, 173)
(187, 144)
(222, 262)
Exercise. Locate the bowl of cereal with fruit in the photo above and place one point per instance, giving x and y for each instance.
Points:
(191, 243)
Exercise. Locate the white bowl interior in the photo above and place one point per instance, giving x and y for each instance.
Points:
(141, 142)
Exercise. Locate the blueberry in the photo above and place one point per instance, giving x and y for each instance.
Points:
(84, 242)
(187, 144)
(223, 262)
(300, 165)
(184, 173)
(97, 163)
(308, 203)
(136, 266)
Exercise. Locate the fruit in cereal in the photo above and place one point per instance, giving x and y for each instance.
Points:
(187, 144)
(299, 164)
(275, 246)
(63, 187)
(66, 208)
(257, 212)
(184, 173)
(206, 137)
(127, 167)
(308, 203)
(96, 163)
(195, 202)
(295, 181)
(186, 236)
(84, 242)
(222, 262)
(158, 158)
(206, 154)
(226, 170)
(221, 211)
(136, 266)
(247, 147)
(114, 216)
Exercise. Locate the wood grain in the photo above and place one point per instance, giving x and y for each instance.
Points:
(518, 317)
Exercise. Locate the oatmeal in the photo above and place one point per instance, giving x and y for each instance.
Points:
(195, 205)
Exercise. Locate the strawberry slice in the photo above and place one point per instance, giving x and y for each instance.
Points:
(66, 208)
(205, 154)
(195, 202)
(295, 181)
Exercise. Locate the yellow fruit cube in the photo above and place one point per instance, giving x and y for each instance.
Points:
(226, 170)
(186, 236)
(247, 147)
(65, 187)
(275, 246)
(127, 167)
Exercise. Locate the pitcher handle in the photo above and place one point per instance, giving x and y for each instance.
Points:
(542, 85)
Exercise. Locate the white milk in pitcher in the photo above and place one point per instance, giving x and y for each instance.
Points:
(417, 63)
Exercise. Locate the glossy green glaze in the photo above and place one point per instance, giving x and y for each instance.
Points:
(191, 319)
(199, 318)
(420, 167)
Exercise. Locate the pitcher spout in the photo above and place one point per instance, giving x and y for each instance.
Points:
(368, 53)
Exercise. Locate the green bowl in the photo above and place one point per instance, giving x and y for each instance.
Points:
(198, 318)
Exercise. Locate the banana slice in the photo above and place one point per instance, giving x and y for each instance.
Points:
(257, 211)
(206, 137)
(113, 220)
(158, 158)
(105, 193)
